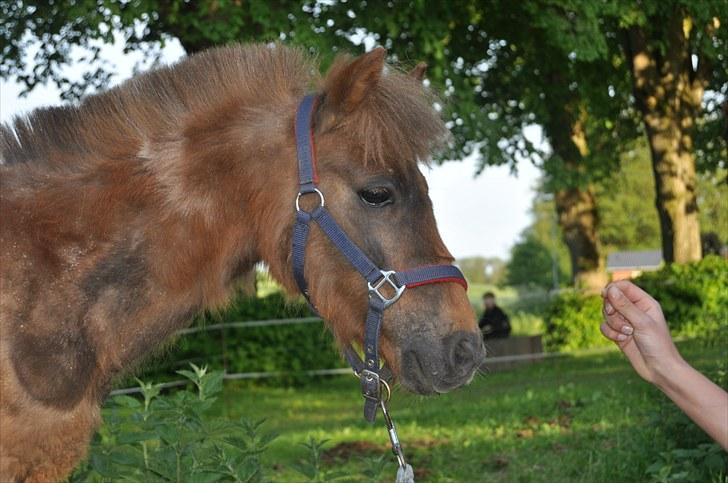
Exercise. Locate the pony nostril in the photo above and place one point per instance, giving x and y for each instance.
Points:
(464, 351)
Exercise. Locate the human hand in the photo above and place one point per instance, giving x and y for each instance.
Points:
(634, 321)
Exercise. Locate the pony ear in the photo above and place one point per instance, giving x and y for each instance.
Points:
(419, 71)
(348, 85)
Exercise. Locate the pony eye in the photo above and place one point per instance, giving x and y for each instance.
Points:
(377, 196)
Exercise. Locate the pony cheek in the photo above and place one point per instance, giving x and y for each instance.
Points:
(339, 298)
(389, 354)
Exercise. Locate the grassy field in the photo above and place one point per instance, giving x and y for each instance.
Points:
(576, 418)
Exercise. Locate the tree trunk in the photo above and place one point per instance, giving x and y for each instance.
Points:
(675, 185)
(668, 92)
(573, 196)
(577, 214)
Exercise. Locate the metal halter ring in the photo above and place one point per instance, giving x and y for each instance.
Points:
(386, 278)
(389, 390)
(315, 190)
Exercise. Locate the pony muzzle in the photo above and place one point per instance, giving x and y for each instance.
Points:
(431, 367)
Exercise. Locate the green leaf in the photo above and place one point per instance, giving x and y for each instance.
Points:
(132, 437)
(126, 401)
(102, 464)
(127, 456)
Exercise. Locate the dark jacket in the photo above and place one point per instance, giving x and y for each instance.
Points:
(494, 323)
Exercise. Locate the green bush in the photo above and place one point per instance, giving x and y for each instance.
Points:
(694, 297)
(171, 438)
(526, 323)
(706, 462)
(532, 300)
(572, 322)
(286, 348)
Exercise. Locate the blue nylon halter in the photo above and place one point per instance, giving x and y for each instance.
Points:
(368, 370)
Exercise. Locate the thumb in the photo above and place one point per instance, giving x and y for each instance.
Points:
(624, 306)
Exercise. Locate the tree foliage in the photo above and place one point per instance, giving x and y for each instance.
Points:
(690, 39)
(713, 193)
(531, 264)
(490, 270)
(504, 66)
(628, 218)
(501, 65)
(546, 230)
(40, 40)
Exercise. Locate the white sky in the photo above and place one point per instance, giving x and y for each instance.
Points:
(476, 216)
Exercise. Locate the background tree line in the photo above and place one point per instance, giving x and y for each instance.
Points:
(602, 79)
(627, 221)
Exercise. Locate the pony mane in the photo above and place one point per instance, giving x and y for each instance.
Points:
(156, 103)
(396, 124)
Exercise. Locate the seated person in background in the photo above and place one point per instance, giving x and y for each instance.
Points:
(634, 321)
(494, 323)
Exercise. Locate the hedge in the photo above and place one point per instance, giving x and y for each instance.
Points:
(572, 322)
(694, 299)
(285, 348)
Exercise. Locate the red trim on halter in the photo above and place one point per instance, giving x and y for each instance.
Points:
(457, 280)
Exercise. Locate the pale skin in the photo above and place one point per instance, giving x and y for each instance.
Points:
(634, 321)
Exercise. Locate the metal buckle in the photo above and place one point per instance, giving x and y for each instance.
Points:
(315, 190)
(386, 278)
(371, 385)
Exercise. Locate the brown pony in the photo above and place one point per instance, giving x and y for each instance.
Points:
(124, 216)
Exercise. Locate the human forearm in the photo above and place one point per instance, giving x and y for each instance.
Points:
(702, 400)
(635, 322)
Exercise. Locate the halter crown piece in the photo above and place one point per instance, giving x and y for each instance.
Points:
(371, 375)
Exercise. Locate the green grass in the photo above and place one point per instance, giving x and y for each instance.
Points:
(576, 418)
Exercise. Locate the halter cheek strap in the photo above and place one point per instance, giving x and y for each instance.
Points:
(368, 370)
